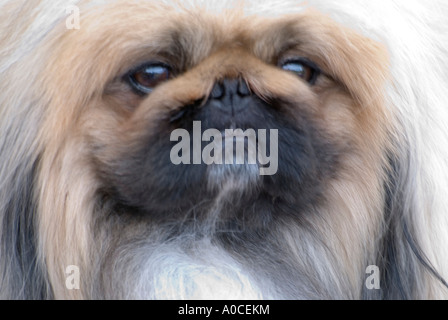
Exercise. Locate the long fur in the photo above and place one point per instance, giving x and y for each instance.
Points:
(390, 213)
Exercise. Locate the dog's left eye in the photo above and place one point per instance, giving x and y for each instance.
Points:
(303, 68)
(146, 78)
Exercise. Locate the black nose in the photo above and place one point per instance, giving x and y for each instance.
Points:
(230, 96)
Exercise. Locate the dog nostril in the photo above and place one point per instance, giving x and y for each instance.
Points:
(217, 91)
(230, 96)
(243, 89)
(230, 87)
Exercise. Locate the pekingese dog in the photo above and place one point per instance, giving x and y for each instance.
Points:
(118, 179)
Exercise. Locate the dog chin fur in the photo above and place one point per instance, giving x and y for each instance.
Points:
(379, 198)
(203, 274)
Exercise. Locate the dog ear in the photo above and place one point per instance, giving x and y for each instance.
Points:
(27, 279)
(402, 262)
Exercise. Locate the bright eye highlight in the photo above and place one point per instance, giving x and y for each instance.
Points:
(303, 68)
(146, 78)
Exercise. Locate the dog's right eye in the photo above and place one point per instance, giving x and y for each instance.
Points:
(144, 79)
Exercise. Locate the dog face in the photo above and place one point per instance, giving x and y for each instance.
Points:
(109, 195)
(225, 81)
(165, 81)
